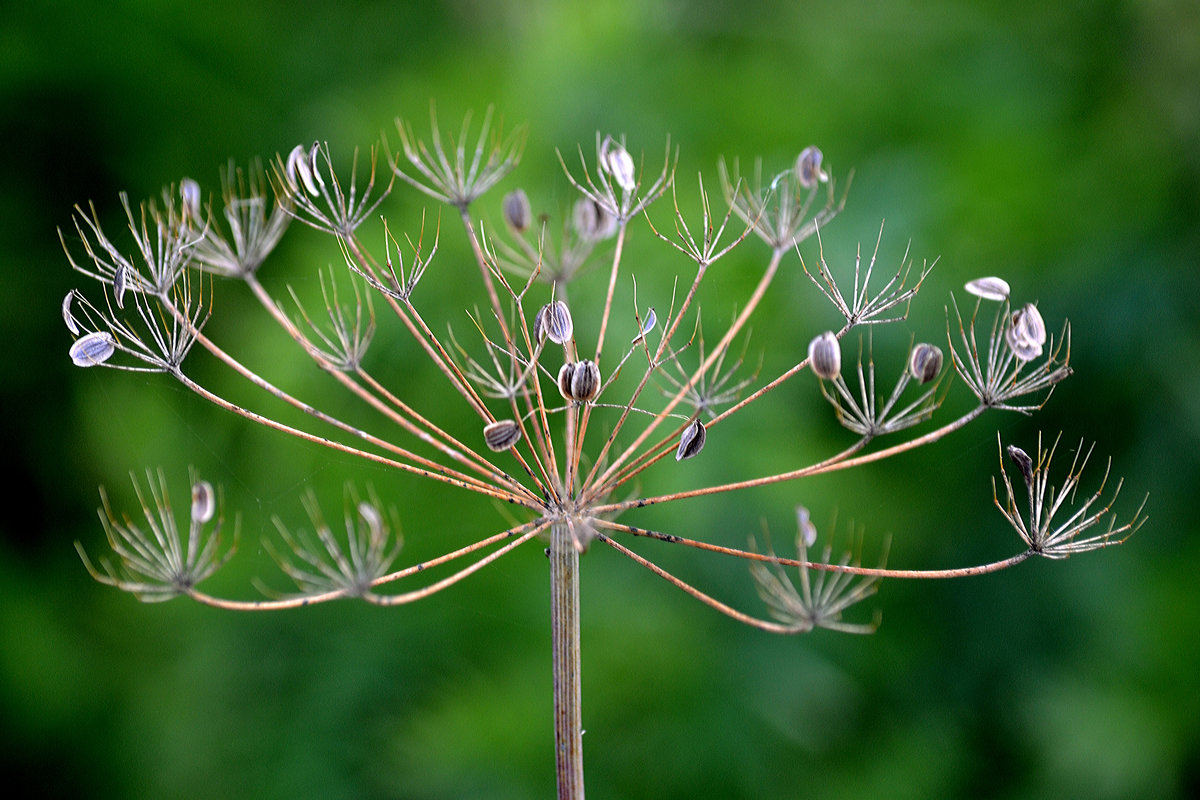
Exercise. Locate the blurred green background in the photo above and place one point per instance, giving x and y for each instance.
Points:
(1055, 144)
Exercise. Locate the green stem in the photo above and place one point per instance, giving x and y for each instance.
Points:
(564, 624)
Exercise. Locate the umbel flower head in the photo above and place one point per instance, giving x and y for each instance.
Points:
(579, 384)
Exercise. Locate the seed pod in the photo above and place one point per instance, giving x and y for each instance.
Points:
(691, 442)
(1023, 462)
(808, 167)
(501, 435)
(925, 362)
(616, 161)
(204, 502)
(592, 221)
(579, 380)
(299, 170)
(1026, 333)
(190, 195)
(647, 325)
(516, 210)
(119, 284)
(371, 516)
(553, 322)
(68, 317)
(989, 288)
(92, 349)
(825, 356)
(805, 527)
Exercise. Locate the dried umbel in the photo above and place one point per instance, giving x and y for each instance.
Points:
(825, 356)
(569, 474)
(579, 381)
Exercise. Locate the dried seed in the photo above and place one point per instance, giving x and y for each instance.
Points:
(516, 210)
(371, 516)
(553, 322)
(925, 362)
(647, 325)
(825, 356)
(1026, 333)
(204, 502)
(579, 380)
(119, 283)
(92, 349)
(1023, 462)
(190, 195)
(299, 170)
(691, 442)
(501, 435)
(805, 527)
(989, 288)
(68, 317)
(808, 167)
(616, 161)
(592, 221)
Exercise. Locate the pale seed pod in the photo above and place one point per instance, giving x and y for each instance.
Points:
(808, 167)
(1023, 462)
(516, 210)
(691, 441)
(592, 221)
(1026, 333)
(805, 527)
(68, 317)
(989, 288)
(553, 322)
(925, 362)
(616, 161)
(204, 502)
(299, 170)
(825, 356)
(92, 349)
(647, 325)
(190, 195)
(579, 380)
(501, 435)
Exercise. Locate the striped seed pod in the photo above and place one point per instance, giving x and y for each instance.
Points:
(925, 362)
(692, 440)
(579, 380)
(825, 356)
(501, 435)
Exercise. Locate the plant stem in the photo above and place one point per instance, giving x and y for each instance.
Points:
(564, 624)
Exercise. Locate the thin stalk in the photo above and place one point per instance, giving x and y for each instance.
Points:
(564, 626)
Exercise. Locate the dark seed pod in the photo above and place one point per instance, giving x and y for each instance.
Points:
(516, 210)
(825, 356)
(692, 440)
(119, 284)
(501, 435)
(1023, 462)
(579, 380)
(553, 322)
(925, 362)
